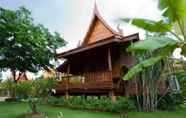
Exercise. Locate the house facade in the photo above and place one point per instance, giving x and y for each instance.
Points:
(98, 64)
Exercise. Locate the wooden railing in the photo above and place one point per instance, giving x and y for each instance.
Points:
(98, 76)
(92, 80)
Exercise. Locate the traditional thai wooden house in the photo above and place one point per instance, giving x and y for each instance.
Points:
(97, 65)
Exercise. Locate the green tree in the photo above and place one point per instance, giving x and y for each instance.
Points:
(9, 86)
(35, 90)
(25, 46)
(54, 42)
(1, 76)
(161, 46)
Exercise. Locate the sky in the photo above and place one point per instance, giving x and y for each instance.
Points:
(71, 18)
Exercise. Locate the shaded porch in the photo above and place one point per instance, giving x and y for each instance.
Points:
(92, 83)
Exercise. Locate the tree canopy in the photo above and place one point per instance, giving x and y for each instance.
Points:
(24, 45)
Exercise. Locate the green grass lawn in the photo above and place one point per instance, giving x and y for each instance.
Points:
(15, 110)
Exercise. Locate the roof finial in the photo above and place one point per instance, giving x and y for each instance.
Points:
(95, 7)
(79, 43)
(120, 30)
(95, 4)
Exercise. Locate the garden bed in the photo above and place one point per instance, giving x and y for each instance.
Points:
(79, 107)
(122, 104)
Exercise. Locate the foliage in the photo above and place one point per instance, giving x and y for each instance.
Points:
(12, 100)
(36, 89)
(80, 102)
(182, 80)
(170, 101)
(24, 45)
(174, 12)
(33, 90)
(22, 89)
(160, 46)
(152, 43)
(123, 104)
(10, 86)
(0, 76)
(141, 66)
(150, 25)
(183, 87)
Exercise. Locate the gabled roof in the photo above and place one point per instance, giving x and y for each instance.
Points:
(98, 23)
(101, 38)
(133, 37)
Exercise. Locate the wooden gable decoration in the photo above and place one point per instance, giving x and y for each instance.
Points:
(98, 29)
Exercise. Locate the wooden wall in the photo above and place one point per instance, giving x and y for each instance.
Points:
(98, 32)
(124, 59)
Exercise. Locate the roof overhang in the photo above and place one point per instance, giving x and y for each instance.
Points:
(97, 44)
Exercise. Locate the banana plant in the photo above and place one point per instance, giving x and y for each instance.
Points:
(173, 18)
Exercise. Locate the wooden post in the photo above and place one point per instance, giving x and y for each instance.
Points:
(111, 93)
(112, 96)
(67, 93)
(109, 60)
(68, 71)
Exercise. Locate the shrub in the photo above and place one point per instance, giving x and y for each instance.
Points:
(22, 89)
(122, 103)
(12, 100)
(171, 101)
(183, 88)
(34, 90)
(10, 86)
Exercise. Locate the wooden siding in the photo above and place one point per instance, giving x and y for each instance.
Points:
(98, 32)
(89, 82)
(126, 60)
(98, 76)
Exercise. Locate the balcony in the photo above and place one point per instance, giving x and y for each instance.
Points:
(92, 82)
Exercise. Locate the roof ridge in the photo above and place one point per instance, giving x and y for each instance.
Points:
(96, 14)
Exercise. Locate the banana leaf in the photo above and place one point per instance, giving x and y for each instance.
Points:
(174, 10)
(149, 25)
(151, 44)
(141, 66)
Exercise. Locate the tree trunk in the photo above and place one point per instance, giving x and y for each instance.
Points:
(33, 105)
(13, 75)
(17, 79)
